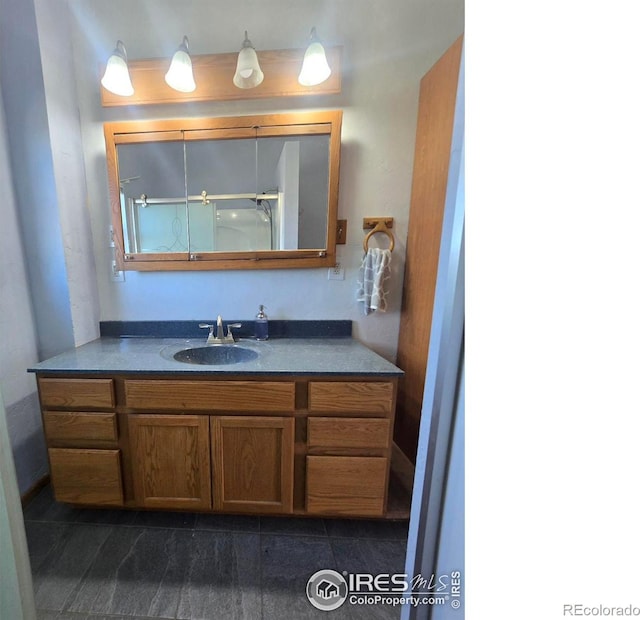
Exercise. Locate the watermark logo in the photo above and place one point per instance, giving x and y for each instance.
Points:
(327, 590)
(578, 609)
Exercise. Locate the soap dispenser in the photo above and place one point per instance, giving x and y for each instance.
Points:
(261, 329)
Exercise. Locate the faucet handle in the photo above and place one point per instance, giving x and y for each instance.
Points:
(210, 327)
(229, 334)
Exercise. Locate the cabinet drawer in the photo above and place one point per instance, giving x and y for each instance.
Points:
(348, 433)
(80, 427)
(349, 396)
(77, 393)
(346, 485)
(210, 395)
(86, 476)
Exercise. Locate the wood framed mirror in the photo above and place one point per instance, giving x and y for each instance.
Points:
(248, 192)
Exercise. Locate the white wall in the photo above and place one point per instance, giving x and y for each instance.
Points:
(48, 297)
(17, 335)
(36, 200)
(18, 348)
(68, 166)
(388, 46)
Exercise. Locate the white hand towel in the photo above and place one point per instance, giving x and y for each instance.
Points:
(373, 280)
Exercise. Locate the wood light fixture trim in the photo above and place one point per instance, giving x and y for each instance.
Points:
(213, 74)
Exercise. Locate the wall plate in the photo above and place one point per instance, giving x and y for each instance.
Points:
(116, 274)
(336, 273)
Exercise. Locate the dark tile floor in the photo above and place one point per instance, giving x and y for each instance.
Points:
(108, 564)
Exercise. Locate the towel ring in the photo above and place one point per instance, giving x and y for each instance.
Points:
(380, 227)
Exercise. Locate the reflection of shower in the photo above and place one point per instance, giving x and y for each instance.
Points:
(124, 182)
(265, 206)
(266, 210)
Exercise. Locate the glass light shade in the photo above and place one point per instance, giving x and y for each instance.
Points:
(315, 68)
(116, 77)
(180, 74)
(248, 73)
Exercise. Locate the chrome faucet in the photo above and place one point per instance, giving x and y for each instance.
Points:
(220, 338)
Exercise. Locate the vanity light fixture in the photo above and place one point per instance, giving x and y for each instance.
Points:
(248, 73)
(180, 74)
(315, 68)
(116, 77)
(220, 74)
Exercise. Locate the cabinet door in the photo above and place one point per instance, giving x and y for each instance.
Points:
(86, 476)
(170, 461)
(346, 485)
(253, 464)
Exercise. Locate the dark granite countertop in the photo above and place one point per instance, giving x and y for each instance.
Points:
(286, 356)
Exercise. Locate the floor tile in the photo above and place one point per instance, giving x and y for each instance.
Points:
(373, 557)
(367, 528)
(164, 519)
(287, 564)
(292, 526)
(106, 516)
(44, 539)
(227, 523)
(369, 555)
(92, 564)
(139, 572)
(223, 577)
(61, 555)
(43, 507)
(69, 615)
(376, 611)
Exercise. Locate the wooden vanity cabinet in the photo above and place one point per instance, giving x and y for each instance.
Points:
(346, 485)
(263, 445)
(244, 461)
(349, 447)
(82, 439)
(253, 463)
(170, 461)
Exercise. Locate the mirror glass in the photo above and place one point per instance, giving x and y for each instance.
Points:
(152, 197)
(253, 193)
(297, 168)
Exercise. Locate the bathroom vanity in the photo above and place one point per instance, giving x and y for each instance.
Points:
(303, 428)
